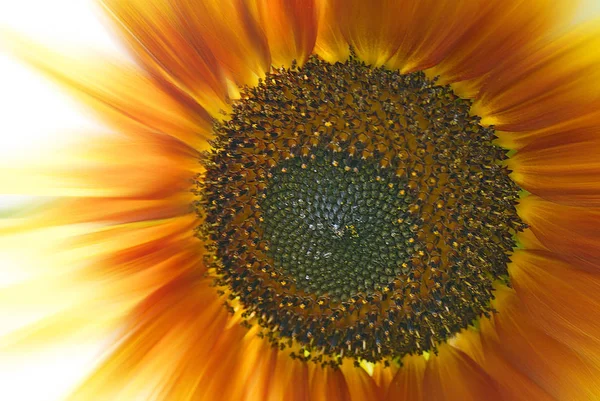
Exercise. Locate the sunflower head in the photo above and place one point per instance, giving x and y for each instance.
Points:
(353, 211)
(309, 200)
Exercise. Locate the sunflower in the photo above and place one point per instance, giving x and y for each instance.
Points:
(324, 200)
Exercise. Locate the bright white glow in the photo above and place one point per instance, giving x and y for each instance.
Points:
(33, 112)
(590, 9)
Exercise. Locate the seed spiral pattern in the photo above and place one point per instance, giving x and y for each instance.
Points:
(356, 212)
(337, 233)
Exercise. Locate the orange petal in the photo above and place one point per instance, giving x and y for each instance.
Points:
(331, 44)
(554, 367)
(264, 373)
(106, 210)
(291, 28)
(501, 29)
(74, 210)
(384, 375)
(181, 344)
(408, 381)
(60, 318)
(162, 345)
(578, 129)
(565, 173)
(405, 35)
(329, 384)
(433, 29)
(560, 299)
(134, 247)
(569, 232)
(369, 29)
(105, 166)
(77, 269)
(250, 369)
(511, 384)
(245, 367)
(121, 94)
(453, 375)
(287, 379)
(528, 240)
(231, 33)
(558, 82)
(262, 361)
(230, 370)
(212, 357)
(166, 48)
(361, 386)
(239, 366)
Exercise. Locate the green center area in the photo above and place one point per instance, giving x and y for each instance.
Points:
(337, 231)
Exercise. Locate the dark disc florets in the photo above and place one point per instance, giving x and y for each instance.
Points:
(355, 211)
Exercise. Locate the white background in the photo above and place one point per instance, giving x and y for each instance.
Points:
(33, 112)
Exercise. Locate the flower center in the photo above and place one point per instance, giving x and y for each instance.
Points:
(356, 212)
(337, 232)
